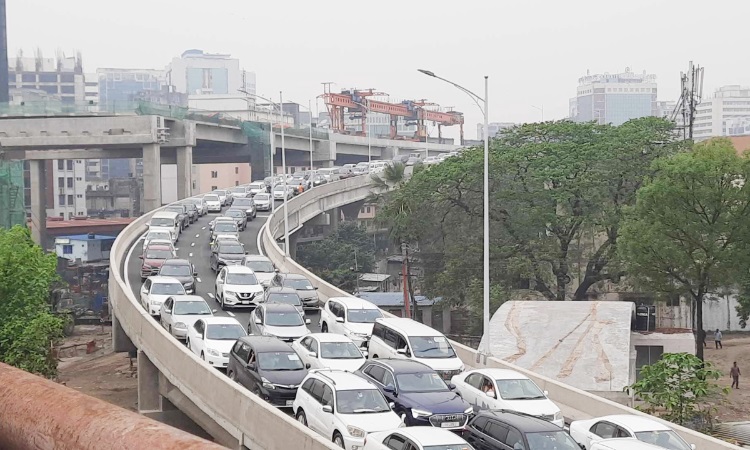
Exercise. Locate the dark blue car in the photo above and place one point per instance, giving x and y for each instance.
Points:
(421, 397)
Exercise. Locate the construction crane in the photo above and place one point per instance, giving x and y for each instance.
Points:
(354, 101)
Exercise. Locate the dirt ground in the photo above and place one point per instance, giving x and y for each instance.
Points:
(736, 348)
(102, 374)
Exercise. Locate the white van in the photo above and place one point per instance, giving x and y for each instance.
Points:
(378, 166)
(166, 220)
(409, 339)
(330, 173)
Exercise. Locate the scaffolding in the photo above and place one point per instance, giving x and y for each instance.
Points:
(12, 209)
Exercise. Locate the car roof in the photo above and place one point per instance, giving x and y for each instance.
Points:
(256, 258)
(222, 218)
(164, 279)
(294, 276)
(409, 326)
(151, 246)
(354, 302)
(160, 243)
(342, 380)
(501, 374)
(281, 290)
(188, 298)
(428, 436)
(158, 231)
(635, 423)
(266, 343)
(164, 215)
(238, 269)
(625, 444)
(279, 307)
(329, 337)
(524, 422)
(220, 320)
(403, 365)
(176, 262)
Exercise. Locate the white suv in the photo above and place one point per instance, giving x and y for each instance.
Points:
(343, 407)
(237, 286)
(350, 316)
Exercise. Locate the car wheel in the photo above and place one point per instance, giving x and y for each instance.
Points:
(338, 440)
(222, 303)
(170, 330)
(374, 356)
(232, 376)
(203, 357)
(301, 417)
(324, 328)
(187, 343)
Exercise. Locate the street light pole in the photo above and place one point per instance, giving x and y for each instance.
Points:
(283, 169)
(484, 107)
(309, 108)
(540, 109)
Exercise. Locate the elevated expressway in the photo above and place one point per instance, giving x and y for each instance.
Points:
(171, 376)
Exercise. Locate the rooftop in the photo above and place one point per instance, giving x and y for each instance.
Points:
(393, 298)
(87, 237)
(374, 277)
(87, 223)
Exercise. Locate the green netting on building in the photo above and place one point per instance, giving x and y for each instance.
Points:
(12, 209)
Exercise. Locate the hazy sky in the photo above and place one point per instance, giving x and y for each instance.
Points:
(534, 51)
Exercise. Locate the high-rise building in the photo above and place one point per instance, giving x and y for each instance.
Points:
(121, 88)
(495, 128)
(68, 188)
(726, 113)
(61, 76)
(91, 88)
(614, 98)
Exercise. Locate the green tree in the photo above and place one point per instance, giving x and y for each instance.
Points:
(557, 190)
(679, 387)
(28, 329)
(340, 257)
(687, 233)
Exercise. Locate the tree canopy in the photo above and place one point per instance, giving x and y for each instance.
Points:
(28, 328)
(557, 192)
(688, 233)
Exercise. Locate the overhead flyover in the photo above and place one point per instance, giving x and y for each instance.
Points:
(235, 417)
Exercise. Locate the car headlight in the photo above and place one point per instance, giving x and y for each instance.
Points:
(417, 413)
(267, 384)
(146, 266)
(469, 410)
(213, 352)
(462, 368)
(558, 416)
(230, 293)
(180, 325)
(355, 432)
(156, 302)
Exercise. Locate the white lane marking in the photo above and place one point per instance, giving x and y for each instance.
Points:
(192, 244)
(203, 228)
(127, 264)
(198, 279)
(211, 295)
(197, 235)
(230, 313)
(190, 254)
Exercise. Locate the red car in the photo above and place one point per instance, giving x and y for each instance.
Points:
(153, 257)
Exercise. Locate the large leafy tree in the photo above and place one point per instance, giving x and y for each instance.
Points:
(557, 190)
(688, 233)
(28, 329)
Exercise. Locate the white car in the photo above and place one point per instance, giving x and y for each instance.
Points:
(179, 312)
(256, 188)
(509, 390)
(164, 242)
(278, 192)
(224, 196)
(213, 202)
(329, 351)
(346, 410)
(585, 432)
(622, 444)
(350, 316)
(237, 286)
(157, 235)
(238, 192)
(262, 267)
(155, 290)
(212, 338)
(263, 202)
(421, 438)
(278, 319)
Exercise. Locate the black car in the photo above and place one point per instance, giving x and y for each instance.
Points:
(248, 205)
(182, 214)
(239, 216)
(268, 367)
(192, 211)
(421, 397)
(182, 270)
(509, 430)
(226, 253)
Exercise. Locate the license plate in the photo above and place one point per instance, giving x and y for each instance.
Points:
(289, 403)
(246, 302)
(449, 424)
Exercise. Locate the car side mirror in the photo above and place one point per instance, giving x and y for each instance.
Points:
(250, 366)
(148, 225)
(276, 270)
(340, 319)
(307, 366)
(195, 273)
(451, 386)
(258, 321)
(140, 257)
(312, 354)
(168, 311)
(214, 311)
(583, 447)
(327, 409)
(402, 351)
(390, 389)
(546, 393)
(391, 405)
(693, 446)
(316, 288)
(489, 394)
(307, 322)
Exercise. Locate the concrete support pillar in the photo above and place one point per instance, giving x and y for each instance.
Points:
(151, 177)
(38, 182)
(184, 172)
(335, 219)
(121, 342)
(149, 399)
(293, 245)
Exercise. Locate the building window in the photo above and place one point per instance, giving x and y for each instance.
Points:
(78, 161)
(213, 188)
(28, 77)
(62, 215)
(48, 77)
(61, 182)
(67, 89)
(236, 170)
(79, 179)
(60, 164)
(61, 200)
(214, 174)
(70, 182)
(69, 164)
(67, 249)
(80, 213)
(194, 185)
(236, 183)
(67, 78)
(646, 355)
(79, 196)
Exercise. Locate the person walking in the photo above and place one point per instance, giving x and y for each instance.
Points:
(734, 372)
(717, 339)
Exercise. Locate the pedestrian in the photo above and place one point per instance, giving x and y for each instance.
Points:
(734, 372)
(717, 339)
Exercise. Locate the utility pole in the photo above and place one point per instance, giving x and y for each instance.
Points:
(405, 279)
(691, 93)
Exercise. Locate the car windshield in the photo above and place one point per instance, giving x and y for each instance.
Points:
(261, 197)
(519, 390)
(220, 193)
(225, 332)
(177, 209)
(552, 440)
(238, 190)
(191, 307)
(162, 222)
(663, 438)
(363, 315)
(431, 347)
(289, 299)
(211, 198)
(279, 361)
(241, 278)
(279, 188)
(166, 235)
(339, 350)
(260, 266)
(421, 382)
(361, 401)
(300, 285)
(284, 319)
(257, 186)
(242, 202)
(158, 254)
(232, 249)
(175, 271)
(225, 226)
(235, 213)
(167, 289)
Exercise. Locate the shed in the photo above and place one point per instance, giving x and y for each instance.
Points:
(85, 247)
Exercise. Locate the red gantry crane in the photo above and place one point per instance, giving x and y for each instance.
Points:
(354, 101)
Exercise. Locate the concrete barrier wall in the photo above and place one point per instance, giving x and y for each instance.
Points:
(245, 416)
(575, 403)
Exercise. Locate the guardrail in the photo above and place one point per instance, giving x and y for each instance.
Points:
(575, 403)
(249, 419)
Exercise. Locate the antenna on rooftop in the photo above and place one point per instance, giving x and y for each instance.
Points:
(691, 93)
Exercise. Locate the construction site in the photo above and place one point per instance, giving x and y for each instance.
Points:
(12, 210)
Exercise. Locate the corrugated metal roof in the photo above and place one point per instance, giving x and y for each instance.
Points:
(735, 432)
(374, 277)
